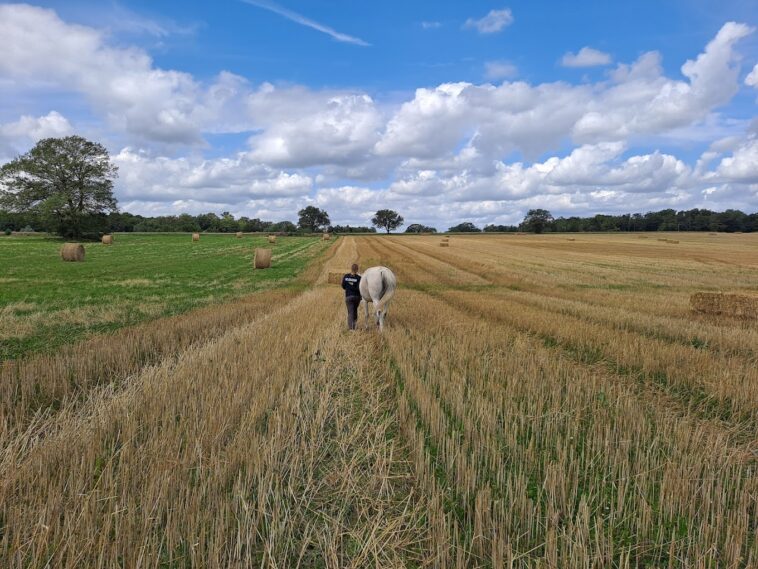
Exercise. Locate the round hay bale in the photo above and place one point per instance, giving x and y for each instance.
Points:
(326, 236)
(444, 244)
(272, 238)
(239, 235)
(195, 237)
(72, 252)
(107, 239)
(262, 259)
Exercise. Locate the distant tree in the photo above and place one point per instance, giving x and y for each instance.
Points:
(387, 219)
(537, 220)
(352, 229)
(209, 222)
(418, 228)
(312, 218)
(492, 228)
(465, 227)
(283, 226)
(67, 181)
(228, 223)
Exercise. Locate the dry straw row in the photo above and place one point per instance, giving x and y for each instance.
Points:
(735, 305)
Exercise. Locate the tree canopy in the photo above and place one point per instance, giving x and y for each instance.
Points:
(387, 219)
(67, 182)
(465, 227)
(312, 218)
(537, 220)
(419, 228)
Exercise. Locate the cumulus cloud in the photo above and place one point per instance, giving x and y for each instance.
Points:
(493, 22)
(586, 57)
(17, 136)
(224, 180)
(752, 77)
(431, 25)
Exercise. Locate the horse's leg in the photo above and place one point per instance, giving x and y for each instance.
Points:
(366, 305)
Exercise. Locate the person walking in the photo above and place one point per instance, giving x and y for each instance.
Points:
(350, 284)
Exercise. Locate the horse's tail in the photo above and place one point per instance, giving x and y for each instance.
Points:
(388, 291)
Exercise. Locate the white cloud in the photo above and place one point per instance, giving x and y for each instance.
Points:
(224, 180)
(742, 165)
(586, 57)
(36, 128)
(42, 51)
(493, 22)
(17, 136)
(752, 77)
(495, 70)
(431, 25)
(331, 129)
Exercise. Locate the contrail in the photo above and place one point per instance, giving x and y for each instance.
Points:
(302, 20)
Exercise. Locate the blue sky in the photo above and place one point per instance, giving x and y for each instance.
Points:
(262, 107)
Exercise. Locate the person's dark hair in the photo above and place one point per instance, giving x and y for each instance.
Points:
(354, 268)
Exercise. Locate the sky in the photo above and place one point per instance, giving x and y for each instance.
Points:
(443, 111)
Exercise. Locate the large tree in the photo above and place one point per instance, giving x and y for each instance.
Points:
(420, 228)
(312, 218)
(387, 219)
(465, 227)
(536, 220)
(67, 181)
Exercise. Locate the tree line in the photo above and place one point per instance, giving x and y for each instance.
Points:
(65, 186)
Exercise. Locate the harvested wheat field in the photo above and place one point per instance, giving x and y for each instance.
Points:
(533, 402)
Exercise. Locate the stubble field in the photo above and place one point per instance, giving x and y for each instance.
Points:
(534, 402)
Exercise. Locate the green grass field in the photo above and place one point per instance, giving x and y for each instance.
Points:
(45, 303)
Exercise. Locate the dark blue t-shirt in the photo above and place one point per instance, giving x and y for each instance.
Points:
(350, 283)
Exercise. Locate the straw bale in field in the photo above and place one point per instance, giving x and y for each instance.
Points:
(262, 259)
(736, 305)
(196, 237)
(107, 239)
(662, 240)
(326, 236)
(335, 277)
(444, 244)
(239, 235)
(675, 241)
(272, 238)
(571, 239)
(72, 252)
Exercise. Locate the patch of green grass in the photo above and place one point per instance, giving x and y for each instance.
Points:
(46, 303)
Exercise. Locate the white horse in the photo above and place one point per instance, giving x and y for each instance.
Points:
(378, 285)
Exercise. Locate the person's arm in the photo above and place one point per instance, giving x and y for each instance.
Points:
(344, 285)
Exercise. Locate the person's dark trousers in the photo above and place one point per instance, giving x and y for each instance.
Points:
(352, 303)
